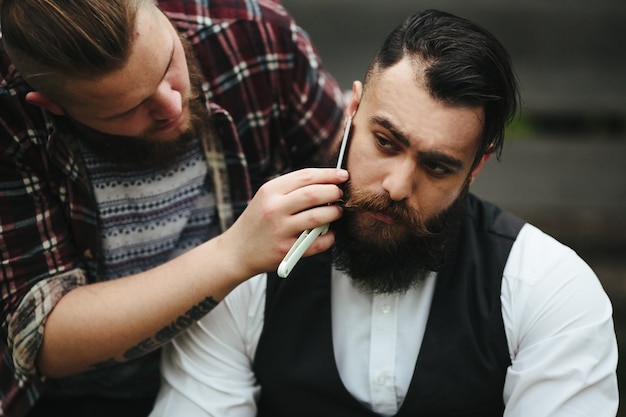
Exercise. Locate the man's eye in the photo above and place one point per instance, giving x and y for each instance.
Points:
(384, 143)
(126, 115)
(437, 169)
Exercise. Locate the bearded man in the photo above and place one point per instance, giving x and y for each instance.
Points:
(432, 302)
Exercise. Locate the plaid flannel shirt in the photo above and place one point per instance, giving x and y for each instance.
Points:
(272, 105)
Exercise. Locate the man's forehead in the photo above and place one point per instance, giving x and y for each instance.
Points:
(397, 97)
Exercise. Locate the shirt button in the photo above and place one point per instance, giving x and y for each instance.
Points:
(385, 308)
(382, 380)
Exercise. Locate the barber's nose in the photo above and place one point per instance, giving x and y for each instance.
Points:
(400, 181)
(167, 103)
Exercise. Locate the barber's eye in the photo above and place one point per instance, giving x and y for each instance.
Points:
(125, 115)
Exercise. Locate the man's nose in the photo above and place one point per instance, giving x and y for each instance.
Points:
(400, 181)
(167, 103)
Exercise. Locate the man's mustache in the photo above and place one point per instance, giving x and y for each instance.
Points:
(399, 211)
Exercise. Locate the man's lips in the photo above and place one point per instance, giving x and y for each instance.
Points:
(173, 123)
(382, 217)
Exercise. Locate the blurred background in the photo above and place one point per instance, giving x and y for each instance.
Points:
(563, 167)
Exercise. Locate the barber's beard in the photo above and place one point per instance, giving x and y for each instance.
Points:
(386, 258)
(144, 151)
(132, 151)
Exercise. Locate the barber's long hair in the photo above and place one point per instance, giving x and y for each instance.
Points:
(465, 65)
(50, 41)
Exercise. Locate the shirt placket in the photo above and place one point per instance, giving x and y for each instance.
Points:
(383, 339)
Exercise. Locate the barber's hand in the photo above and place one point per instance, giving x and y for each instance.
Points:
(280, 210)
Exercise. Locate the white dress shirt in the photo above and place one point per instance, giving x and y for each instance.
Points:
(557, 318)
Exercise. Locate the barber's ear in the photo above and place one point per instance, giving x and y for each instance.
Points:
(37, 99)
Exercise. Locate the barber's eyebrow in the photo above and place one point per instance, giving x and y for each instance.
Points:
(441, 157)
(167, 68)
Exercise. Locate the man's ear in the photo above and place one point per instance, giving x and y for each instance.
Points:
(37, 99)
(490, 150)
(479, 166)
(355, 99)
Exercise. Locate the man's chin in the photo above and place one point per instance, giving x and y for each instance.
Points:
(379, 270)
(137, 152)
(392, 258)
(154, 148)
(173, 130)
(170, 135)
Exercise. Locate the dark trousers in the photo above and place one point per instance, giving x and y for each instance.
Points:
(92, 407)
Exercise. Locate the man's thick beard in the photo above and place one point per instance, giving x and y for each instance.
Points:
(141, 151)
(388, 259)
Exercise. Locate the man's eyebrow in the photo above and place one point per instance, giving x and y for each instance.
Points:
(441, 157)
(167, 68)
(402, 138)
(395, 131)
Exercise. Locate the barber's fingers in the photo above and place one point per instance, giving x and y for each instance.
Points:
(300, 190)
(280, 211)
(307, 176)
(311, 196)
(313, 217)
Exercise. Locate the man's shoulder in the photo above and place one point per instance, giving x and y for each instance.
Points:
(537, 250)
(492, 219)
(21, 123)
(186, 15)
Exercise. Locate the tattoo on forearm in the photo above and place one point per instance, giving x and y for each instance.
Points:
(105, 364)
(167, 333)
(191, 316)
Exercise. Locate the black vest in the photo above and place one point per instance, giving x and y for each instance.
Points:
(464, 356)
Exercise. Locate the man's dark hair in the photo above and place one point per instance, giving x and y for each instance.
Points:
(464, 65)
